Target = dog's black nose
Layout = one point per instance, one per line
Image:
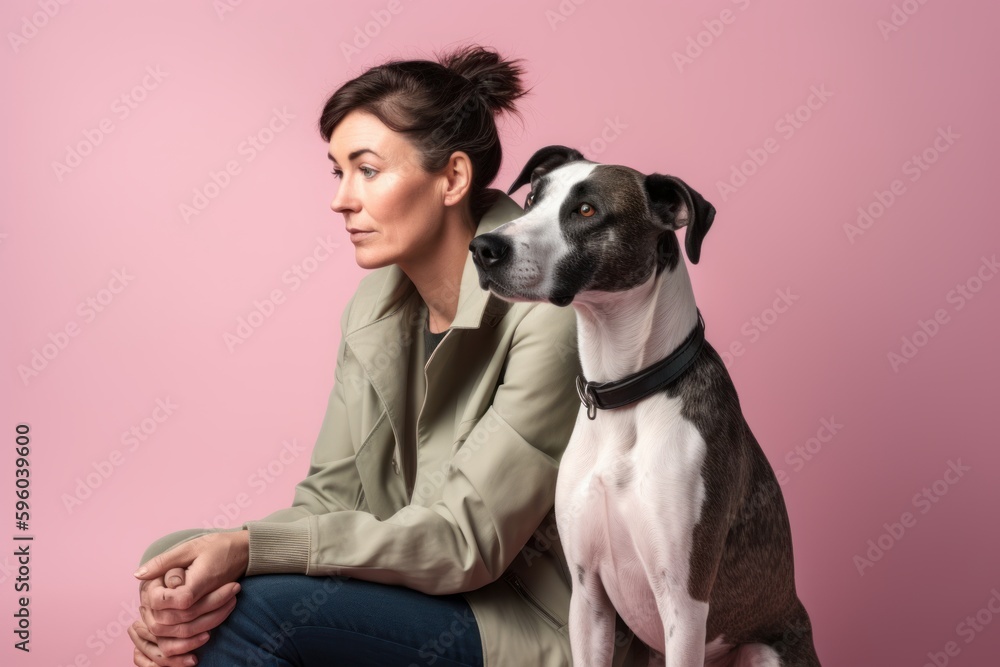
(488, 250)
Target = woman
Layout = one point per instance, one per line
(425, 523)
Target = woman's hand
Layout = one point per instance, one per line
(209, 561)
(169, 652)
(147, 652)
(177, 632)
(199, 596)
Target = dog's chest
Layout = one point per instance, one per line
(628, 495)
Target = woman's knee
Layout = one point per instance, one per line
(270, 610)
(286, 600)
(169, 541)
(281, 617)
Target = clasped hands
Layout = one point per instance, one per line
(185, 592)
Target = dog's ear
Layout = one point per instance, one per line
(676, 205)
(545, 160)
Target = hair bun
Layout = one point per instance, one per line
(496, 80)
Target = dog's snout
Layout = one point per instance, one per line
(488, 250)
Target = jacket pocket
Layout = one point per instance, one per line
(529, 597)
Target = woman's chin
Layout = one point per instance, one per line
(371, 260)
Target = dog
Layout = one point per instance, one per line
(668, 510)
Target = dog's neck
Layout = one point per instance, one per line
(619, 333)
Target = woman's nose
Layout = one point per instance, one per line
(343, 200)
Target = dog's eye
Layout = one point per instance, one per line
(529, 200)
(586, 210)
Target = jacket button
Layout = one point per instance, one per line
(395, 466)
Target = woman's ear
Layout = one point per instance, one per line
(458, 177)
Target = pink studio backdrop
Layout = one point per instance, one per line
(863, 348)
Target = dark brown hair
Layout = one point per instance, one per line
(441, 107)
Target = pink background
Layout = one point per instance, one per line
(63, 236)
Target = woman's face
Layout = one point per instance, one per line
(384, 191)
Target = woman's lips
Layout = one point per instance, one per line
(360, 235)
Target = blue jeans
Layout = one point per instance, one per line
(338, 621)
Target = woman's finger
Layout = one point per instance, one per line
(144, 648)
(180, 650)
(148, 654)
(195, 633)
(139, 659)
(143, 631)
(209, 603)
(174, 577)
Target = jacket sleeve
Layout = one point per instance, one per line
(332, 483)
(498, 486)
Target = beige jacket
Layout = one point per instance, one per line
(448, 490)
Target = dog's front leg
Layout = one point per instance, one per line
(683, 631)
(591, 622)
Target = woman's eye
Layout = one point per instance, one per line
(367, 171)
(586, 210)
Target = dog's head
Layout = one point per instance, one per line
(588, 227)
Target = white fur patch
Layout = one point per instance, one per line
(638, 538)
(536, 237)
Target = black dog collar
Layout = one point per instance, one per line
(640, 384)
